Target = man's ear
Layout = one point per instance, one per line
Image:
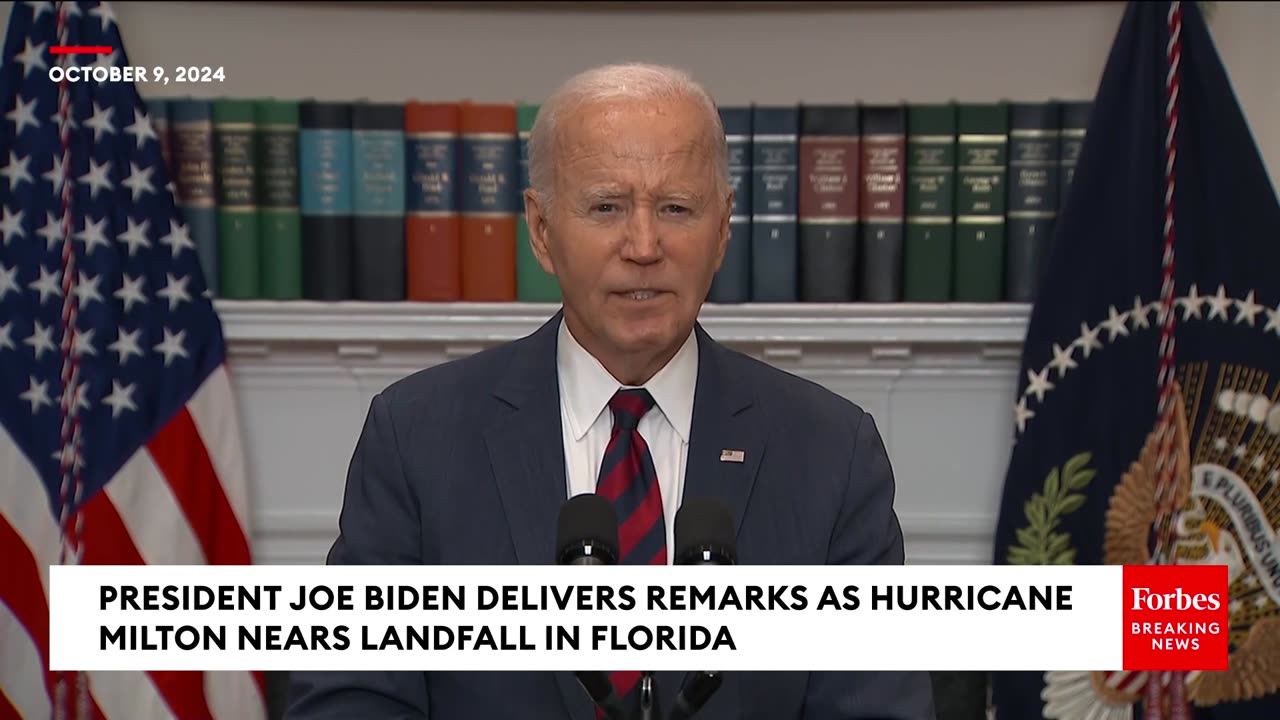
(723, 241)
(535, 215)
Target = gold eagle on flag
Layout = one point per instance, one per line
(1227, 506)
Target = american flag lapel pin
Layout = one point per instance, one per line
(732, 456)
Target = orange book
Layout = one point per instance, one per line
(433, 232)
(489, 166)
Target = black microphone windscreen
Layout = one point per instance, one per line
(587, 520)
(597, 684)
(704, 524)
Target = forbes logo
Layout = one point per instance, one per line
(1145, 599)
(1175, 617)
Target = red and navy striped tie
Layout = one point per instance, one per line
(630, 481)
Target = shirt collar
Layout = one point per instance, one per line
(587, 386)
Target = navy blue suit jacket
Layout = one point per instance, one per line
(463, 463)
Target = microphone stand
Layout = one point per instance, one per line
(650, 709)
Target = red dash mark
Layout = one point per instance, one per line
(80, 49)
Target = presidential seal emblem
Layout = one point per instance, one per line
(1227, 510)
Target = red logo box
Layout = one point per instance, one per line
(1175, 617)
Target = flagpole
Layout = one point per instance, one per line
(71, 524)
(1168, 688)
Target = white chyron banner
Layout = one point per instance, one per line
(567, 618)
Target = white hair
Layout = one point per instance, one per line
(627, 81)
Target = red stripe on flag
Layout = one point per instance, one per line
(106, 541)
(23, 591)
(7, 710)
(184, 460)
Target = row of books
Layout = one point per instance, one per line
(422, 201)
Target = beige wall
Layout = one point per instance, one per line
(880, 51)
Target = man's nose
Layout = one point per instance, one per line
(642, 241)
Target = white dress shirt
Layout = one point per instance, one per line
(585, 390)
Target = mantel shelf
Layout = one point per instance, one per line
(306, 322)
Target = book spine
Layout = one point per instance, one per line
(433, 249)
(980, 202)
(775, 170)
(378, 201)
(928, 259)
(279, 213)
(830, 161)
(732, 282)
(1033, 195)
(489, 168)
(325, 177)
(236, 164)
(1074, 122)
(884, 149)
(191, 128)
(533, 284)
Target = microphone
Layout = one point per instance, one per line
(598, 686)
(695, 693)
(704, 536)
(650, 708)
(587, 534)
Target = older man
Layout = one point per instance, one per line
(469, 462)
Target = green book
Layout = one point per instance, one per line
(533, 284)
(235, 167)
(929, 256)
(980, 201)
(279, 212)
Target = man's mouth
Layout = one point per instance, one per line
(639, 295)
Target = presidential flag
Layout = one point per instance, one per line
(119, 442)
(1147, 421)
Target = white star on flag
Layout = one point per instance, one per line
(92, 235)
(130, 291)
(177, 239)
(22, 115)
(135, 236)
(97, 177)
(52, 230)
(11, 224)
(171, 347)
(8, 281)
(41, 340)
(37, 394)
(101, 122)
(16, 171)
(126, 344)
(141, 128)
(139, 181)
(120, 399)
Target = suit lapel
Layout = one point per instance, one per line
(723, 419)
(526, 450)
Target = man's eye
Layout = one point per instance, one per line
(677, 209)
(604, 207)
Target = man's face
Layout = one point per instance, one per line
(637, 228)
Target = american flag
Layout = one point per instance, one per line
(119, 442)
